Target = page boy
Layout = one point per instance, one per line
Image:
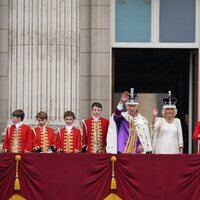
(43, 136)
(69, 138)
(95, 131)
(18, 137)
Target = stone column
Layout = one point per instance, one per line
(44, 58)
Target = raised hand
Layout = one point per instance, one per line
(155, 111)
(124, 97)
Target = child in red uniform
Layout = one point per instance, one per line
(69, 138)
(43, 136)
(18, 137)
(95, 131)
(196, 136)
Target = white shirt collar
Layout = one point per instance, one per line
(42, 126)
(18, 125)
(69, 128)
(95, 118)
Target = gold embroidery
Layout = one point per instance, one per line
(15, 143)
(68, 141)
(17, 197)
(132, 139)
(112, 196)
(44, 139)
(96, 137)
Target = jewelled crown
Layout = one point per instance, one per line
(133, 98)
(169, 102)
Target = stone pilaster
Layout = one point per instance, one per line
(95, 55)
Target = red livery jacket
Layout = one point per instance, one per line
(43, 137)
(69, 142)
(94, 134)
(18, 141)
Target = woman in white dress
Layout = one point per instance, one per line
(167, 137)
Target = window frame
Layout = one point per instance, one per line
(154, 43)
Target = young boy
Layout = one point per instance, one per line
(18, 137)
(43, 136)
(95, 131)
(69, 138)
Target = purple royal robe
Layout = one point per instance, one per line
(122, 132)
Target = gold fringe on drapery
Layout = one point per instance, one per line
(113, 184)
(17, 183)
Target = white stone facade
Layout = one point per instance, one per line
(95, 55)
(54, 56)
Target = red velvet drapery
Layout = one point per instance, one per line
(88, 176)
